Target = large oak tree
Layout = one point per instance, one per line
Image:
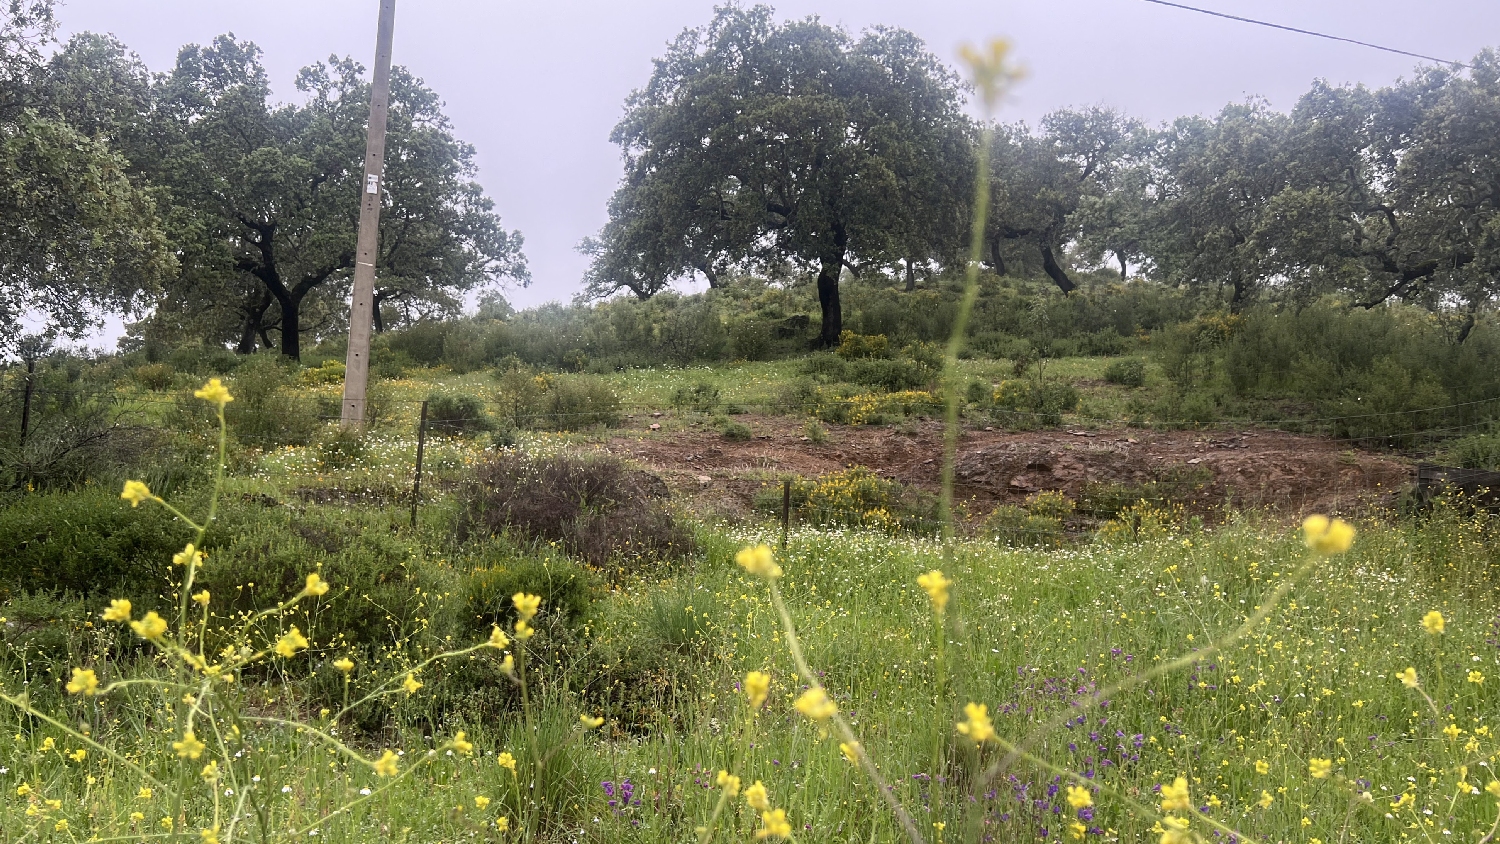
(756, 144)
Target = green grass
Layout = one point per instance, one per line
(1032, 634)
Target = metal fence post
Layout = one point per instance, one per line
(416, 481)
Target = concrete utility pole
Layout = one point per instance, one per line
(361, 308)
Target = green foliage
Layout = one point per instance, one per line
(1128, 372)
(501, 569)
(593, 506)
(555, 402)
(701, 397)
(1477, 451)
(854, 346)
(457, 414)
(87, 542)
(266, 411)
(1036, 402)
(1038, 523)
(734, 431)
(856, 497)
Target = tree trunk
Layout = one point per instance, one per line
(255, 317)
(1238, 297)
(1463, 333)
(1055, 271)
(708, 273)
(997, 262)
(1124, 270)
(911, 276)
(828, 300)
(26, 401)
(291, 327)
(379, 321)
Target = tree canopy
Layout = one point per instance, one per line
(756, 144)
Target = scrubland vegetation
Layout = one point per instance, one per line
(228, 617)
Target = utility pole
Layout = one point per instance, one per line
(362, 304)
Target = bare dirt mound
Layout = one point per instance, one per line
(1290, 472)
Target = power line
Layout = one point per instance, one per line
(1308, 32)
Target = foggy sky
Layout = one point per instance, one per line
(537, 86)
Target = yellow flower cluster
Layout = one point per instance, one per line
(758, 561)
(214, 392)
(1327, 536)
(977, 725)
(293, 641)
(757, 688)
(526, 610)
(936, 586)
(814, 703)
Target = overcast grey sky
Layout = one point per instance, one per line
(537, 86)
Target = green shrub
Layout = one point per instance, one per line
(1479, 451)
(1029, 403)
(457, 414)
(735, 431)
(751, 339)
(501, 570)
(1039, 522)
(330, 371)
(853, 346)
(857, 497)
(87, 542)
(556, 402)
(154, 376)
(701, 397)
(594, 507)
(265, 412)
(1129, 372)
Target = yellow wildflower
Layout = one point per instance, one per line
(1453, 731)
(214, 391)
(774, 825)
(1079, 797)
(1327, 536)
(498, 639)
(189, 554)
(814, 703)
(462, 744)
(61, 825)
(729, 782)
(1319, 768)
(757, 687)
(480, 801)
(1265, 800)
(135, 492)
(137, 817)
(411, 684)
(166, 822)
(84, 682)
(524, 630)
(1476, 677)
(502, 823)
(1433, 623)
(119, 610)
(209, 836)
(757, 798)
(48, 743)
(936, 586)
(23, 789)
(210, 771)
(991, 70)
(850, 751)
(1077, 831)
(315, 585)
(344, 664)
(589, 722)
(758, 561)
(202, 599)
(508, 665)
(151, 626)
(144, 793)
(1175, 831)
(1174, 797)
(386, 765)
(1262, 766)
(507, 761)
(292, 642)
(978, 726)
(79, 755)
(1403, 801)
(190, 747)
(526, 605)
(1493, 788)
(1408, 678)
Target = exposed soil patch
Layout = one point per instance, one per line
(1291, 472)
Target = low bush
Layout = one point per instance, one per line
(855, 346)
(1478, 451)
(265, 413)
(1129, 372)
(87, 542)
(1037, 523)
(501, 569)
(856, 497)
(734, 431)
(701, 397)
(594, 507)
(556, 402)
(154, 376)
(1030, 403)
(457, 414)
